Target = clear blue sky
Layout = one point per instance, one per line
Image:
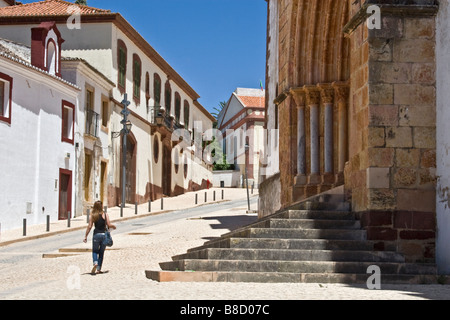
(215, 45)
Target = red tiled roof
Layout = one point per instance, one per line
(256, 102)
(48, 7)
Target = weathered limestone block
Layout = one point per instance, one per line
(378, 178)
(381, 94)
(381, 199)
(416, 200)
(407, 158)
(376, 137)
(405, 178)
(414, 95)
(383, 115)
(425, 137)
(399, 137)
(417, 116)
(395, 72)
(381, 157)
(414, 50)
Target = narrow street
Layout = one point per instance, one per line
(141, 244)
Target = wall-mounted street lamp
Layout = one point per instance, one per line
(158, 115)
(124, 133)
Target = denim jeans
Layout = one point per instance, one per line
(98, 249)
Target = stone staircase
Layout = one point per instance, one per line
(316, 241)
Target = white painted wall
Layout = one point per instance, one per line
(86, 78)
(443, 138)
(32, 150)
(230, 178)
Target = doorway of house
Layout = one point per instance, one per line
(166, 177)
(65, 194)
(130, 170)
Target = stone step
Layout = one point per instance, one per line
(299, 244)
(314, 224)
(292, 255)
(316, 214)
(315, 205)
(331, 234)
(276, 277)
(296, 266)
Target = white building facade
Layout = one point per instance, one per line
(37, 126)
(104, 58)
(241, 123)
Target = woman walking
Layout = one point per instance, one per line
(100, 220)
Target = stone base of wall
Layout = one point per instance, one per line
(410, 233)
(316, 184)
(269, 196)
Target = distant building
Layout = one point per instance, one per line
(241, 122)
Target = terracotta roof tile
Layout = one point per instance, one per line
(48, 7)
(258, 102)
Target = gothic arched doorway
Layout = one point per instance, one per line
(130, 169)
(166, 178)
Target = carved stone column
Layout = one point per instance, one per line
(313, 102)
(341, 92)
(298, 95)
(327, 96)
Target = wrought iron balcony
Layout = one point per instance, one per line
(161, 118)
(92, 119)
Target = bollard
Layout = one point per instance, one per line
(135, 208)
(206, 197)
(68, 219)
(24, 227)
(88, 215)
(196, 198)
(105, 208)
(48, 223)
(150, 205)
(253, 186)
(214, 195)
(162, 203)
(223, 194)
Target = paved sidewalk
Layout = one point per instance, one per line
(169, 204)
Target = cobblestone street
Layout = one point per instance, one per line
(68, 277)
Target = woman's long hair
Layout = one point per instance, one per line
(97, 211)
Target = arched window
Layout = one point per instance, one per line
(121, 65)
(168, 97)
(137, 75)
(177, 107)
(147, 86)
(51, 57)
(186, 114)
(157, 89)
